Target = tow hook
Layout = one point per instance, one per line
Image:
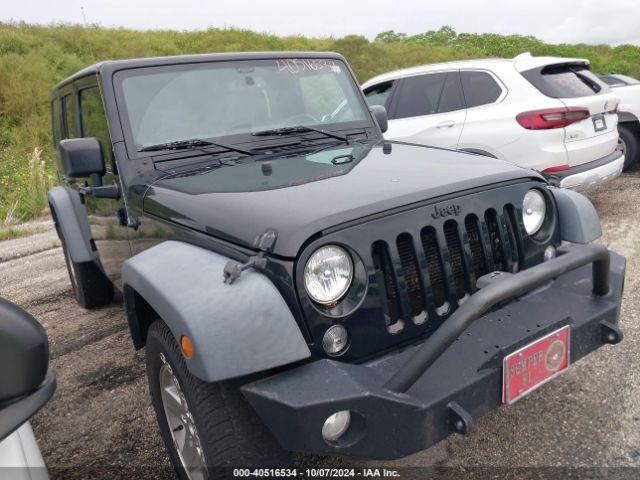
(460, 420)
(610, 333)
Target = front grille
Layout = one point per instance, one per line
(410, 271)
(386, 278)
(452, 257)
(454, 245)
(475, 244)
(434, 265)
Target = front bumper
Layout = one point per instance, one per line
(462, 382)
(590, 174)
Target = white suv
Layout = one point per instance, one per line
(549, 114)
(627, 90)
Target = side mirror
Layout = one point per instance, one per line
(380, 114)
(25, 384)
(82, 157)
(24, 352)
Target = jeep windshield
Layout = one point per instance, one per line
(236, 100)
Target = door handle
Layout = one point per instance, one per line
(446, 124)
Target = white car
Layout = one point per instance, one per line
(20, 457)
(549, 114)
(25, 386)
(627, 89)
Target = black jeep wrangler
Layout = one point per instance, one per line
(301, 284)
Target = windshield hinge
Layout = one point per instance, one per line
(264, 243)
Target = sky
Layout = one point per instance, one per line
(556, 21)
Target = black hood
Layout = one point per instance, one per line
(303, 194)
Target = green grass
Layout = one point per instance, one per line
(34, 58)
(8, 233)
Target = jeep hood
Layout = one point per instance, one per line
(301, 195)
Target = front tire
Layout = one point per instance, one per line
(629, 144)
(204, 426)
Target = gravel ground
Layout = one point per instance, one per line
(100, 423)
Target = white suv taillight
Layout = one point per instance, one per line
(552, 117)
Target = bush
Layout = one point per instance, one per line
(34, 58)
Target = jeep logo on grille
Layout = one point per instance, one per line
(452, 209)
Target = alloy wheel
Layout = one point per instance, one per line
(181, 424)
(622, 146)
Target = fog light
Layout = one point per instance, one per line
(336, 425)
(549, 253)
(335, 340)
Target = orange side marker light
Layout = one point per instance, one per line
(186, 345)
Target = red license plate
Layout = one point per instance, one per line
(526, 369)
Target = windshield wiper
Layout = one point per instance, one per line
(193, 143)
(298, 129)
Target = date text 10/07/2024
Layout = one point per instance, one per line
(316, 473)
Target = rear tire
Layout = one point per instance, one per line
(91, 287)
(227, 430)
(628, 142)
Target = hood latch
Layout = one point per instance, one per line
(264, 243)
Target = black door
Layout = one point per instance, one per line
(84, 116)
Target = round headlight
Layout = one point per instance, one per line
(534, 210)
(328, 274)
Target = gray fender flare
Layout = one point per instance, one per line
(71, 216)
(579, 221)
(237, 329)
